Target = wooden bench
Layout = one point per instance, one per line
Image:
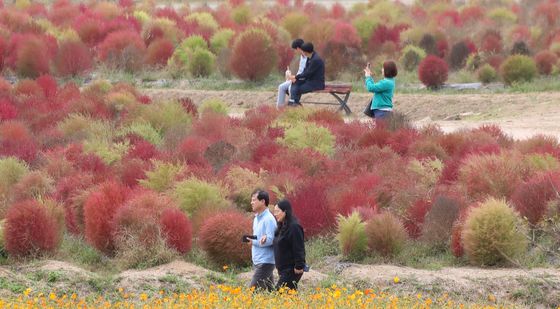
(336, 90)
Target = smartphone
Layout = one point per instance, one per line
(247, 237)
(369, 65)
(306, 268)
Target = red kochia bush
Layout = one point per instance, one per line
(311, 208)
(123, 49)
(90, 29)
(531, 198)
(176, 229)
(30, 230)
(73, 58)
(220, 237)
(7, 110)
(99, 211)
(432, 71)
(159, 52)
(139, 218)
(25, 59)
(253, 56)
(16, 140)
(545, 60)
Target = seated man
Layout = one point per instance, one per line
(312, 78)
(284, 87)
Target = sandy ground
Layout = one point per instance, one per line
(520, 115)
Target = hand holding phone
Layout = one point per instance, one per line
(247, 238)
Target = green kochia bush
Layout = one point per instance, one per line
(221, 40)
(411, 57)
(202, 63)
(351, 236)
(194, 194)
(214, 105)
(161, 177)
(487, 74)
(518, 68)
(307, 135)
(493, 234)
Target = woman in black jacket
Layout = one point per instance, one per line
(289, 248)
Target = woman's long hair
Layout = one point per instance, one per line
(286, 207)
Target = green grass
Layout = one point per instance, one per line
(76, 250)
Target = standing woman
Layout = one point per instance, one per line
(289, 248)
(382, 103)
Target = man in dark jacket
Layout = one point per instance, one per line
(311, 79)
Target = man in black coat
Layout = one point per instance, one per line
(311, 79)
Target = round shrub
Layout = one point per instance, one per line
(73, 58)
(35, 185)
(194, 194)
(428, 43)
(518, 68)
(220, 40)
(27, 62)
(30, 230)
(137, 234)
(493, 234)
(308, 135)
(490, 175)
(7, 110)
(215, 106)
(158, 52)
(545, 61)
(11, 171)
(99, 211)
(520, 48)
(176, 229)
(351, 236)
(17, 140)
(432, 72)
(294, 22)
(487, 74)
(123, 49)
(531, 198)
(220, 237)
(411, 57)
(253, 55)
(201, 63)
(458, 56)
(385, 233)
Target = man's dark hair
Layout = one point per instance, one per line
(261, 195)
(307, 47)
(390, 69)
(297, 43)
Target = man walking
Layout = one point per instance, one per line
(264, 226)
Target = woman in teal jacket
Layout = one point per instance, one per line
(382, 103)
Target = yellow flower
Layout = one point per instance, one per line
(396, 279)
(143, 296)
(491, 298)
(27, 291)
(225, 267)
(52, 296)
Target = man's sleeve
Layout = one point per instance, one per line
(380, 86)
(298, 246)
(270, 228)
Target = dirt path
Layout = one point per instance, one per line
(539, 287)
(520, 115)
